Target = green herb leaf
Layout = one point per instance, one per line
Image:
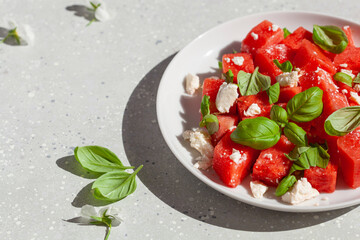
(286, 32)
(344, 78)
(285, 184)
(273, 93)
(234, 51)
(115, 185)
(343, 121)
(295, 134)
(229, 76)
(205, 105)
(279, 115)
(305, 106)
(285, 66)
(259, 133)
(220, 65)
(323, 157)
(251, 84)
(98, 159)
(357, 78)
(211, 123)
(330, 38)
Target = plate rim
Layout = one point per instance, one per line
(198, 174)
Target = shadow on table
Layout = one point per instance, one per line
(166, 177)
(82, 11)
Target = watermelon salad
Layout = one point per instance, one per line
(286, 111)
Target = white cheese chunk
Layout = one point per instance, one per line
(253, 110)
(200, 140)
(344, 65)
(258, 189)
(235, 156)
(355, 97)
(301, 191)
(226, 97)
(288, 79)
(344, 91)
(275, 27)
(357, 87)
(238, 60)
(254, 35)
(192, 83)
(346, 27)
(348, 72)
(227, 60)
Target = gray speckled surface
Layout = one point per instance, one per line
(82, 85)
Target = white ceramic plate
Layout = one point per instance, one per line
(177, 111)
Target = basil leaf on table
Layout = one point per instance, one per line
(357, 78)
(115, 185)
(330, 38)
(286, 32)
(98, 159)
(305, 106)
(205, 105)
(295, 134)
(273, 93)
(343, 121)
(344, 78)
(252, 84)
(286, 183)
(211, 123)
(279, 115)
(285, 66)
(258, 133)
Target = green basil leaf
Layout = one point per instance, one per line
(279, 115)
(285, 184)
(295, 134)
(251, 84)
(285, 66)
(330, 38)
(98, 159)
(357, 78)
(211, 123)
(229, 76)
(259, 133)
(220, 65)
(205, 105)
(115, 185)
(303, 149)
(343, 121)
(305, 106)
(286, 32)
(344, 78)
(274, 93)
(295, 167)
(234, 51)
(323, 157)
(304, 159)
(293, 154)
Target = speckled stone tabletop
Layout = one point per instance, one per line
(79, 85)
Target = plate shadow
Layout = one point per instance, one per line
(166, 177)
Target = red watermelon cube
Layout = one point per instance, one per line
(226, 122)
(349, 150)
(263, 34)
(232, 172)
(348, 33)
(293, 41)
(287, 93)
(261, 99)
(272, 165)
(322, 179)
(350, 57)
(237, 62)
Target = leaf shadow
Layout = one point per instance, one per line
(82, 11)
(172, 183)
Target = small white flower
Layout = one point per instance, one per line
(24, 32)
(88, 211)
(100, 12)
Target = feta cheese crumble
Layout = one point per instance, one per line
(344, 91)
(254, 35)
(235, 156)
(227, 95)
(344, 65)
(346, 27)
(274, 27)
(357, 87)
(348, 72)
(200, 140)
(192, 83)
(288, 79)
(227, 60)
(238, 60)
(355, 97)
(301, 191)
(253, 110)
(258, 189)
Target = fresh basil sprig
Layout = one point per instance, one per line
(98, 159)
(210, 121)
(273, 93)
(305, 106)
(279, 115)
(259, 133)
(285, 66)
(343, 121)
(286, 32)
(252, 84)
(344, 78)
(330, 38)
(115, 185)
(285, 184)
